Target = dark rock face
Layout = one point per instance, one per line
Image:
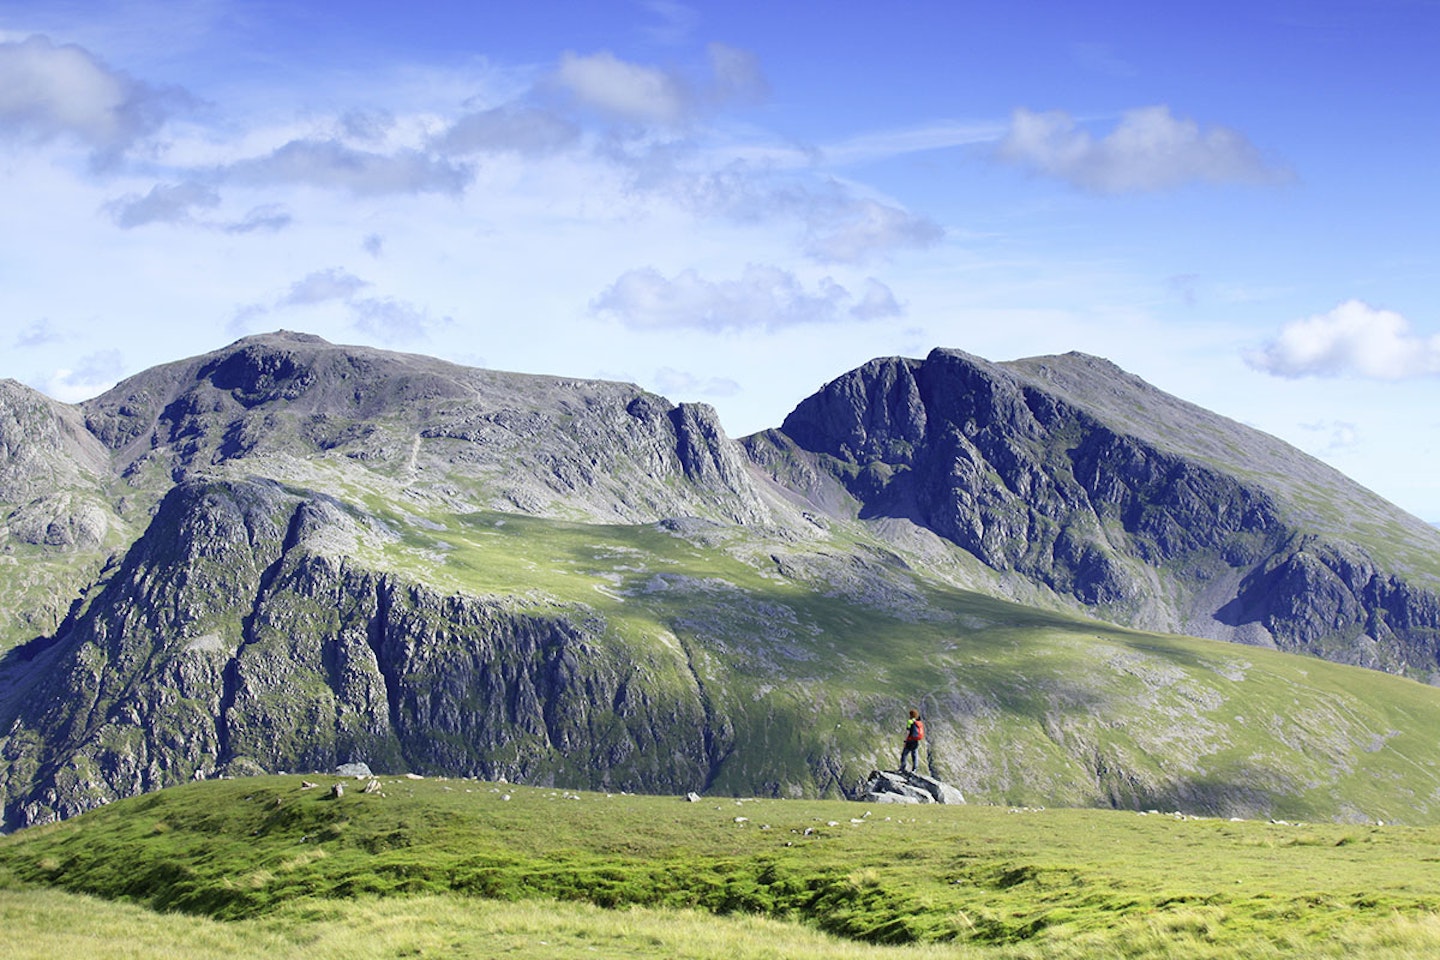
(225, 644)
(1013, 471)
(540, 445)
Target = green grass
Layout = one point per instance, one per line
(452, 868)
(1027, 706)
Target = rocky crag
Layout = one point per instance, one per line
(287, 555)
(1069, 473)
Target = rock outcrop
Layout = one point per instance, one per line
(906, 786)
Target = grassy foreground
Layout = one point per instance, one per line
(432, 868)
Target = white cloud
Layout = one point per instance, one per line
(764, 298)
(1149, 149)
(335, 283)
(672, 383)
(394, 321)
(165, 203)
(636, 93)
(876, 303)
(1354, 339)
(47, 91)
(92, 375)
(853, 229)
(269, 218)
(528, 131)
(330, 163)
(38, 334)
(836, 223)
(1333, 436)
(625, 90)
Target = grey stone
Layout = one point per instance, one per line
(895, 786)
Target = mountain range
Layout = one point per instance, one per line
(288, 554)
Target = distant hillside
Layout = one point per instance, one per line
(288, 554)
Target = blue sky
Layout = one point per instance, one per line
(736, 202)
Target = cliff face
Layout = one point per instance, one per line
(228, 644)
(1051, 469)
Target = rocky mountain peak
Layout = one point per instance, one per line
(1072, 473)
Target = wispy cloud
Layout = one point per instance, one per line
(1101, 58)
(267, 218)
(763, 298)
(676, 22)
(336, 283)
(37, 334)
(884, 144)
(394, 321)
(1354, 339)
(517, 128)
(835, 223)
(165, 203)
(388, 319)
(1332, 436)
(737, 76)
(853, 229)
(1150, 149)
(677, 383)
(332, 163)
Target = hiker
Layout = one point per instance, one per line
(914, 733)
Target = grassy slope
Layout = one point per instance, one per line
(399, 871)
(1025, 706)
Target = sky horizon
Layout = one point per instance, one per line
(735, 203)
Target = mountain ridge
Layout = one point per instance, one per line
(1026, 481)
(313, 554)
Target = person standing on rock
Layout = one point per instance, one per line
(914, 733)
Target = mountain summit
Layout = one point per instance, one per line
(288, 554)
(1071, 474)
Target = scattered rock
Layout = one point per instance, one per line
(374, 787)
(337, 791)
(693, 797)
(357, 770)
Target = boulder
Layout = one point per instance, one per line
(895, 786)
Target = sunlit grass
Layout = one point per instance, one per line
(454, 868)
